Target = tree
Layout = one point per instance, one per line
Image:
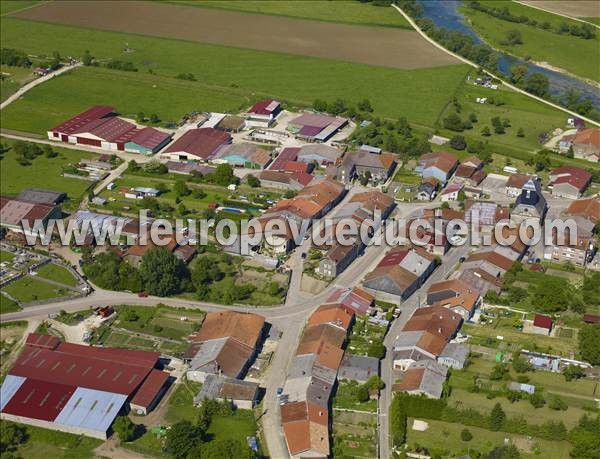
(537, 84)
(161, 272)
(454, 123)
(180, 188)
(521, 365)
(458, 142)
(338, 107)
(362, 393)
(376, 349)
(553, 294)
(466, 435)
(520, 133)
(320, 105)
(497, 418)
(537, 400)
(375, 382)
(253, 181)
(154, 118)
(183, 437)
(365, 106)
(513, 396)
(573, 371)
(223, 175)
(486, 131)
(87, 58)
(11, 436)
(124, 427)
(513, 37)
(558, 404)
(140, 117)
(589, 343)
(518, 74)
(504, 452)
(498, 372)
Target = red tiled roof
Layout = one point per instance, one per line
(287, 154)
(202, 143)
(37, 399)
(591, 318)
(542, 322)
(42, 340)
(264, 107)
(590, 136)
(149, 137)
(150, 388)
(575, 176)
(82, 119)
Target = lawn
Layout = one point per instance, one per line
(236, 427)
(354, 434)
(563, 51)
(345, 398)
(58, 274)
(363, 335)
(6, 256)
(44, 443)
(228, 78)
(346, 11)
(28, 289)
(443, 438)
(13, 79)
(43, 171)
(181, 404)
(8, 6)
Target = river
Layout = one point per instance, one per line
(445, 13)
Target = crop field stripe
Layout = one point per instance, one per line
(389, 47)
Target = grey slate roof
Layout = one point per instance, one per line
(358, 367)
(455, 351)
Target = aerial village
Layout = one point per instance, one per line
(380, 320)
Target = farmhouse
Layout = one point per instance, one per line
(515, 184)
(100, 127)
(585, 144)
(243, 394)
(358, 367)
(376, 165)
(263, 113)
(455, 295)
(470, 171)
(313, 127)
(323, 155)
(439, 165)
(197, 145)
(423, 378)
(588, 208)
(284, 180)
(454, 356)
(427, 189)
(356, 301)
(451, 192)
(400, 273)
(14, 212)
(225, 345)
(569, 182)
(78, 389)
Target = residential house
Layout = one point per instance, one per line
(489, 261)
(542, 325)
(375, 165)
(530, 204)
(358, 367)
(455, 295)
(402, 271)
(424, 378)
(263, 114)
(225, 345)
(427, 188)
(515, 184)
(320, 154)
(454, 356)
(439, 165)
(294, 181)
(588, 208)
(197, 145)
(585, 144)
(569, 181)
(243, 394)
(355, 301)
(470, 171)
(451, 192)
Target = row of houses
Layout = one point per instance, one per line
(585, 144)
(79, 389)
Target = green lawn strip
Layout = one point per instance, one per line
(57, 274)
(44, 443)
(6, 256)
(221, 71)
(14, 178)
(7, 305)
(236, 427)
(181, 404)
(30, 289)
(344, 11)
(562, 51)
(148, 444)
(444, 438)
(346, 398)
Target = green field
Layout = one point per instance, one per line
(43, 171)
(6, 256)
(44, 443)
(9, 6)
(7, 305)
(563, 51)
(593, 20)
(228, 78)
(57, 274)
(13, 79)
(444, 438)
(29, 289)
(348, 11)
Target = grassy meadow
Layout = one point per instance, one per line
(563, 51)
(344, 11)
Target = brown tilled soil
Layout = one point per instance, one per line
(367, 45)
(576, 8)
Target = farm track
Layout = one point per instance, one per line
(380, 46)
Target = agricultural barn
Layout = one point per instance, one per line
(14, 211)
(263, 113)
(243, 154)
(100, 127)
(316, 128)
(197, 145)
(78, 389)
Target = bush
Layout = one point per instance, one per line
(362, 394)
(458, 142)
(537, 400)
(558, 404)
(466, 435)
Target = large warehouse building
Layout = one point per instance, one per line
(100, 127)
(78, 389)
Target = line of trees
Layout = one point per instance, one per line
(14, 57)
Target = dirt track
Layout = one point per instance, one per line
(576, 8)
(368, 45)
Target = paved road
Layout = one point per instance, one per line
(408, 308)
(36, 82)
